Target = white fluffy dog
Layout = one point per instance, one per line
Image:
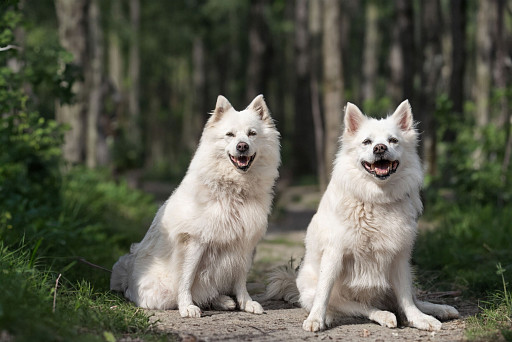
(359, 243)
(200, 246)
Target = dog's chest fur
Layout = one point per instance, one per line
(233, 214)
(374, 235)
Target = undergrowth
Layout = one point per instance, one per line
(35, 307)
(468, 203)
(51, 221)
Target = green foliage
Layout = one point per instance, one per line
(30, 153)
(100, 212)
(50, 221)
(28, 173)
(466, 202)
(49, 69)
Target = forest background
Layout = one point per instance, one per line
(99, 98)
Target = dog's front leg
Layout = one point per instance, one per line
(329, 269)
(193, 252)
(242, 296)
(402, 286)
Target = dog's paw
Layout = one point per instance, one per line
(329, 320)
(223, 302)
(425, 322)
(446, 312)
(253, 307)
(313, 324)
(384, 318)
(190, 311)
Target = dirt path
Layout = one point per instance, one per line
(282, 321)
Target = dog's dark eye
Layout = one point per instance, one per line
(252, 133)
(367, 142)
(393, 140)
(230, 134)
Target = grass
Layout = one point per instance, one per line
(80, 313)
(494, 322)
(33, 308)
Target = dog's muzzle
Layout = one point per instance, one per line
(242, 162)
(382, 168)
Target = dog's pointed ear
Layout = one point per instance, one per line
(221, 107)
(403, 116)
(353, 118)
(260, 107)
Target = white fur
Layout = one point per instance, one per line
(359, 243)
(199, 248)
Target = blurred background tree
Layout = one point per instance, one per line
(148, 74)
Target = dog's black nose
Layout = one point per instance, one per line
(242, 147)
(380, 148)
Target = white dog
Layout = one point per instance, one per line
(200, 245)
(359, 243)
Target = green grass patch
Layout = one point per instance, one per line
(31, 310)
(495, 320)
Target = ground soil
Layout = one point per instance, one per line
(282, 321)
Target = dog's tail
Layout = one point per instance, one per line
(119, 277)
(282, 285)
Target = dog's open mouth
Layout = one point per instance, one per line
(242, 162)
(381, 169)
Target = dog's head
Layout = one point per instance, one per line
(380, 148)
(241, 138)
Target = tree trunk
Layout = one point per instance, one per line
(303, 140)
(432, 62)
(502, 77)
(315, 30)
(193, 122)
(501, 72)
(332, 78)
(458, 39)
(115, 58)
(258, 51)
(482, 89)
(94, 84)
(396, 67)
(72, 15)
(483, 62)
(370, 52)
(402, 54)
(133, 125)
(406, 25)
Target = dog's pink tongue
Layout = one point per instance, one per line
(381, 170)
(242, 161)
